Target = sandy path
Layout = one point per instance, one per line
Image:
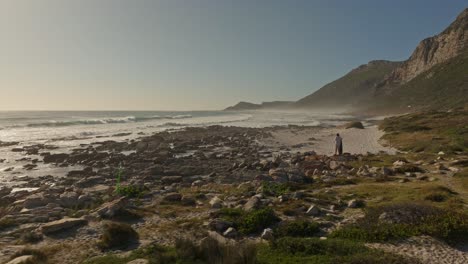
(321, 140)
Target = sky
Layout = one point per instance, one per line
(197, 54)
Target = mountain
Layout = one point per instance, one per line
(434, 76)
(431, 51)
(350, 89)
(243, 106)
(443, 86)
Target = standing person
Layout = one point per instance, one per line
(338, 145)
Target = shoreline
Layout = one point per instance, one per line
(26, 161)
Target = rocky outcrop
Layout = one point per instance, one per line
(431, 51)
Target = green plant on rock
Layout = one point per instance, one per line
(119, 174)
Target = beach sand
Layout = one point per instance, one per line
(321, 140)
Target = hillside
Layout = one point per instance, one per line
(444, 86)
(434, 77)
(350, 89)
(245, 106)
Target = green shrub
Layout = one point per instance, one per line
(297, 228)
(408, 168)
(329, 251)
(257, 220)
(249, 222)
(436, 197)
(131, 191)
(117, 235)
(275, 189)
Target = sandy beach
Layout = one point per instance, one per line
(321, 140)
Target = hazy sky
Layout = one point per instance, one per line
(196, 54)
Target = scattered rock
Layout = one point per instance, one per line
(61, 225)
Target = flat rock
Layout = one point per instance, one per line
(172, 197)
(62, 224)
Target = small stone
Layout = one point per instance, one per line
(353, 203)
(313, 211)
(267, 234)
(231, 232)
(216, 203)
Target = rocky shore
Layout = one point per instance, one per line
(180, 184)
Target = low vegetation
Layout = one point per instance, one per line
(404, 220)
(275, 189)
(429, 131)
(249, 222)
(314, 250)
(297, 228)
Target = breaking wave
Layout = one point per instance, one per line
(99, 121)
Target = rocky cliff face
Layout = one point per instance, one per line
(431, 51)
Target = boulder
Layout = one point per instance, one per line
(110, 209)
(61, 225)
(68, 199)
(171, 179)
(35, 200)
(253, 203)
(354, 203)
(220, 225)
(55, 158)
(172, 197)
(216, 203)
(387, 171)
(5, 191)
